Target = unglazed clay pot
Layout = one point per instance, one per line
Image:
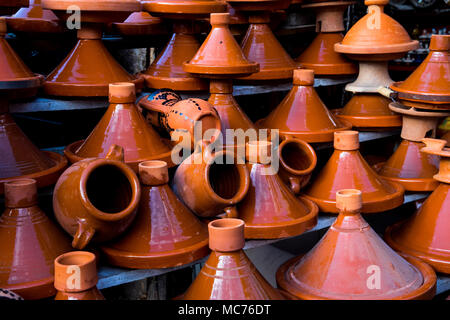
(302, 114)
(270, 210)
(29, 242)
(89, 68)
(165, 233)
(34, 19)
(76, 277)
(210, 181)
(429, 84)
(320, 55)
(425, 235)
(346, 168)
(96, 199)
(140, 24)
(351, 262)
(228, 274)
(124, 125)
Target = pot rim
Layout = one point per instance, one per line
(304, 146)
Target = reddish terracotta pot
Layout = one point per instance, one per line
(425, 235)
(207, 184)
(140, 24)
(76, 277)
(165, 233)
(122, 124)
(270, 210)
(96, 199)
(228, 274)
(192, 8)
(346, 168)
(352, 247)
(29, 242)
(302, 114)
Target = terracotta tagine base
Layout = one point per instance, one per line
(369, 111)
(123, 125)
(351, 246)
(165, 233)
(29, 242)
(228, 274)
(317, 123)
(346, 168)
(34, 19)
(425, 235)
(140, 24)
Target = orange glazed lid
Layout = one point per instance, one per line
(186, 7)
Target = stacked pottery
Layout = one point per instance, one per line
(140, 23)
(347, 169)
(167, 69)
(20, 158)
(425, 235)
(122, 124)
(260, 44)
(76, 276)
(34, 19)
(424, 99)
(165, 233)
(29, 242)
(374, 40)
(220, 58)
(351, 248)
(96, 199)
(320, 55)
(228, 274)
(89, 68)
(302, 114)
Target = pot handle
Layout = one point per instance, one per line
(294, 183)
(115, 152)
(83, 236)
(231, 212)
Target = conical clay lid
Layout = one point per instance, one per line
(165, 233)
(345, 169)
(302, 114)
(228, 274)
(220, 54)
(34, 19)
(352, 247)
(425, 235)
(29, 242)
(122, 125)
(139, 24)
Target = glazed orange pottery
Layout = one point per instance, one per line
(29, 242)
(124, 125)
(369, 111)
(260, 44)
(140, 24)
(302, 114)
(96, 199)
(76, 276)
(430, 82)
(211, 181)
(89, 68)
(320, 55)
(34, 19)
(165, 233)
(425, 235)
(351, 262)
(346, 168)
(270, 210)
(228, 274)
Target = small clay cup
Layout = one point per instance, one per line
(226, 235)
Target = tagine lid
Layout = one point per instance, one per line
(184, 7)
(431, 80)
(351, 246)
(139, 24)
(376, 33)
(259, 5)
(220, 55)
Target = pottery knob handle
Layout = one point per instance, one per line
(433, 145)
(20, 193)
(226, 235)
(75, 271)
(123, 92)
(115, 152)
(347, 140)
(83, 235)
(376, 2)
(153, 173)
(440, 42)
(303, 77)
(220, 18)
(349, 200)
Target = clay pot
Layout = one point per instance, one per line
(302, 114)
(29, 242)
(160, 96)
(429, 83)
(425, 235)
(140, 24)
(122, 124)
(210, 182)
(270, 210)
(228, 274)
(76, 277)
(346, 168)
(352, 247)
(189, 8)
(165, 233)
(96, 199)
